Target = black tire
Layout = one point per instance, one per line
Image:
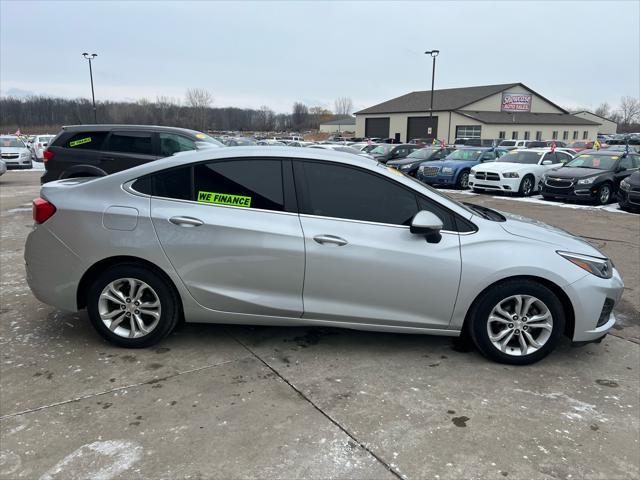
(463, 180)
(479, 319)
(605, 193)
(548, 198)
(170, 307)
(527, 186)
(477, 190)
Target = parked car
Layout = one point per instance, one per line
(519, 171)
(591, 176)
(271, 143)
(98, 150)
(412, 162)
(476, 142)
(453, 170)
(303, 237)
(3, 167)
(239, 142)
(39, 145)
(385, 152)
(421, 142)
(580, 146)
(14, 152)
(342, 148)
(629, 193)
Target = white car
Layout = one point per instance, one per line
(14, 153)
(519, 171)
(39, 145)
(342, 148)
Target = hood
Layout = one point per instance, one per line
(405, 161)
(502, 167)
(455, 164)
(574, 172)
(542, 232)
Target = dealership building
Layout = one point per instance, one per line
(507, 111)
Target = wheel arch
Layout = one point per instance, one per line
(102, 265)
(83, 171)
(567, 306)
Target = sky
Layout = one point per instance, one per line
(248, 54)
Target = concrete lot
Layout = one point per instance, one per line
(241, 402)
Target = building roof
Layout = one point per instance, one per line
(341, 121)
(594, 114)
(444, 99)
(528, 118)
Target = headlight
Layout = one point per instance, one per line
(600, 267)
(624, 185)
(421, 168)
(511, 175)
(586, 181)
(447, 170)
(408, 166)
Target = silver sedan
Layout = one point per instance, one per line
(291, 236)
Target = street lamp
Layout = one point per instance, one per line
(93, 96)
(434, 54)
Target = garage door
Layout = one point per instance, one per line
(376, 127)
(418, 127)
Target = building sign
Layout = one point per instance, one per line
(516, 102)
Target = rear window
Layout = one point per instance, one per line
(130, 142)
(86, 141)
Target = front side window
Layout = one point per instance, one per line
(130, 142)
(563, 157)
(338, 191)
(171, 144)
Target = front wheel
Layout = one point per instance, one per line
(603, 196)
(517, 322)
(132, 306)
(526, 186)
(463, 180)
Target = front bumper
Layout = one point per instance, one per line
(438, 179)
(502, 185)
(17, 163)
(629, 199)
(585, 193)
(588, 296)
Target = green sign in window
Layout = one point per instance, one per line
(81, 141)
(224, 199)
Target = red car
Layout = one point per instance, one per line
(580, 146)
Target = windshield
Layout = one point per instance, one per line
(11, 142)
(468, 155)
(518, 156)
(381, 149)
(204, 138)
(423, 153)
(600, 162)
(507, 143)
(578, 145)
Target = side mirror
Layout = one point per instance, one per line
(620, 169)
(428, 224)
(547, 162)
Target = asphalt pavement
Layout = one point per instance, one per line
(216, 401)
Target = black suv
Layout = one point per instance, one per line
(98, 150)
(594, 175)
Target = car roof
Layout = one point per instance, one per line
(109, 127)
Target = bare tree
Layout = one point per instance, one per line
(603, 110)
(300, 116)
(629, 110)
(342, 106)
(199, 100)
(265, 119)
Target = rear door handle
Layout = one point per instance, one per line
(186, 221)
(330, 240)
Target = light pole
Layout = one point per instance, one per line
(434, 54)
(93, 95)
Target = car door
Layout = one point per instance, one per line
(363, 265)
(232, 234)
(128, 148)
(626, 166)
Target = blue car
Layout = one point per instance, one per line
(453, 170)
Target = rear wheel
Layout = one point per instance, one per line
(463, 180)
(132, 306)
(526, 186)
(517, 322)
(603, 197)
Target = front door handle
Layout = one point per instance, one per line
(186, 221)
(330, 240)
(105, 158)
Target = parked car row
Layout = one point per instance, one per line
(14, 152)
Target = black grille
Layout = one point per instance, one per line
(10, 155)
(481, 175)
(558, 182)
(606, 311)
(493, 176)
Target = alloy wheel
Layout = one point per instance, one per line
(526, 186)
(464, 180)
(519, 325)
(129, 307)
(605, 193)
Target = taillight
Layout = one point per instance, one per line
(48, 155)
(42, 210)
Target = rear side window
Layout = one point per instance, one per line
(130, 142)
(342, 192)
(241, 183)
(171, 143)
(175, 183)
(86, 141)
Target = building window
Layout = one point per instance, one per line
(565, 135)
(514, 135)
(468, 131)
(585, 135)
(554, 135)
(502, 135)
(575, 134)
(538, 135)
(527, 134)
